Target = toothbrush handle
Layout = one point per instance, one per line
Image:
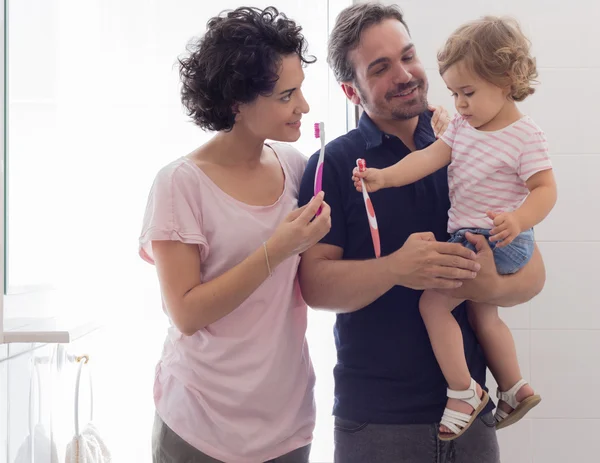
(372, 221)
(319, 178)
(376, 242)
(319, 173)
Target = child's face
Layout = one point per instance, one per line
(477, 100)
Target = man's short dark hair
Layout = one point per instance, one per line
(236, 60)
(346, 34)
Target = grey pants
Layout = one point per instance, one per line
(168, 447)
(383, 443)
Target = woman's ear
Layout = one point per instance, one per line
(236, 111)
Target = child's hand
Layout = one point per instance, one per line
(506, 228)
(373, 179)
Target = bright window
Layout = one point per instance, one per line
(93, 112)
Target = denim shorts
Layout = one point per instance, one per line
(509, 259)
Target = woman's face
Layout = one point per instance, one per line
(277, 117)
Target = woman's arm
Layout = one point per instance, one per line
(192, 305)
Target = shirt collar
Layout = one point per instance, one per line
(373, 136)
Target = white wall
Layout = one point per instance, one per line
(558, 333)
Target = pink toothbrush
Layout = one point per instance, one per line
(320, 133)
(362, 166)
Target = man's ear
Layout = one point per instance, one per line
(351, 92)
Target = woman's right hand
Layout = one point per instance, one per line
(299, 231)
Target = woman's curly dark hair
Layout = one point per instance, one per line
(236, 60)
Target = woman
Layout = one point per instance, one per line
(235, 381)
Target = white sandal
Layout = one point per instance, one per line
(520, 409)
(458, 422)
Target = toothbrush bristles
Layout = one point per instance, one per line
(361, 164)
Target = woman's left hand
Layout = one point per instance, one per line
(439, 120)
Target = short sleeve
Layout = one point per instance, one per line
(534, 157)
(449, 135)
(333, 197)
(173, 211)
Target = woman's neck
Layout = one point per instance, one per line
(234, 148)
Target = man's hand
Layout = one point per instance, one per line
(502, 290)
(439, 120)
(506, 228)
(424, 263)
(485, 286)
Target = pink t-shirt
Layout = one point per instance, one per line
(241, 389)
(488, 170)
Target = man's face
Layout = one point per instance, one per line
(390, 80)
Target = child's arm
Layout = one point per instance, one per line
(413, 167)
(541, 199)
(539, 203)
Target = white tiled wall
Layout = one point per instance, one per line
(558, 333)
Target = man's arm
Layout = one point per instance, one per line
(502, 290)
(328, 282)
(356, 283)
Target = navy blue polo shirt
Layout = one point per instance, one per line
(386, 371)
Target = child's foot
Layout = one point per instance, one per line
(515, 403)
(459, 406)
(522, 394)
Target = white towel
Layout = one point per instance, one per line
(88, 447)
(43, 449)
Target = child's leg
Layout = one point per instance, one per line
(447, 343)
(498, 346)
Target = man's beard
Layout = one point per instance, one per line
(411, 108)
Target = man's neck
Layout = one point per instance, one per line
(403, 129)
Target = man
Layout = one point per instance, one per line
(389, 390)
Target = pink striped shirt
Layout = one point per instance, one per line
(488, 170)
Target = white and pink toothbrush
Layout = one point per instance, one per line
(362, 166)
(320, 133)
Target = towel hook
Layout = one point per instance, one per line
(82, 360)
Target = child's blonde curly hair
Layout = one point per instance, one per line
(496, 50)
